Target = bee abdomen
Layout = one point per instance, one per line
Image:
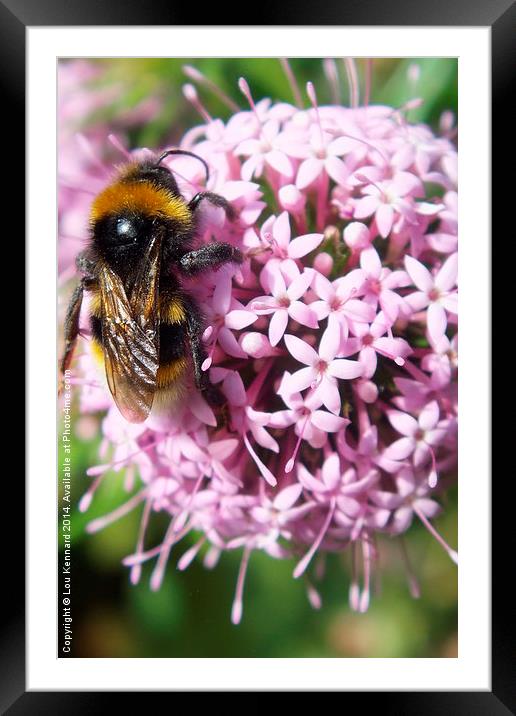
(171, 342)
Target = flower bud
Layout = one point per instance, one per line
(291, 199)
(356, 235)
(323, 263)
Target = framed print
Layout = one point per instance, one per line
(257, 450)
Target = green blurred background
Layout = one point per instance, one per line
(190, 615)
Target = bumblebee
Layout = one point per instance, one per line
(144, 325)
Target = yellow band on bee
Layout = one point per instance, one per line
(167, 374)
(142, 196)
(96, 303)
(174, 312)
(97, 351)
(170, 372)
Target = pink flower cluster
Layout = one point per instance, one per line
(335, 345)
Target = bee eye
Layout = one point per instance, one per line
(126, 230)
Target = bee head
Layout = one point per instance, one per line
(121, 238)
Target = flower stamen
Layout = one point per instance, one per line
(236, 611)
(292, 81)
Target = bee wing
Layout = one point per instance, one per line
(130, 335)
(144, 293)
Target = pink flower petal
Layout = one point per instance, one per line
(447, 276)
(380, 517)
(368, 441)
(395, 348)
(368, 361)
(419, 274)
(264, 470)
(342, 145)
(370, 262)
(302, 379)
(249, 214)
(201, 409)
(287, 497)
(263, 305)
(300, 350)
(442, 242)
(421, 454)
(328, 392)
(263, 438)
(359, 311)
(330, 343)
(417, 301)
(403, 158)
(330, 472)
(345, 369)
(390, 303)
(308, 172)
(303, 314)
(406, 183)
(252, 166)
(271, 129)
(365, 207)
(282, 419)
(258, 417)
(234, 389)
(451, 303)
(402, 519)
(307, 480)
(278, 285)
(400, 449)
(350, 284)
(300, 285)
(389, 500)
(403, 422)
(429, 416)
(303, 245)
(277, 326)
(222, 449)
(229, 343)
(367, 390)
(248, 147)
(426, 208)
(428, 507)
(322, 287)
(234, 190)
(435, 437)
(281, 229)
(337, 170)
(349, 506)
(222, 294)
(239, 319)
(280, 162)
(327, 421)
(320, 308)
(436, 322)
(384, 219)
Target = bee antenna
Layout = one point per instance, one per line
(168, 152)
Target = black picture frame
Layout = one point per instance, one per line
(15, 17)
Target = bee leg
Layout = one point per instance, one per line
(194, 329)
(85, 265)
(214, 199)
(210, 256)
(71, 326)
